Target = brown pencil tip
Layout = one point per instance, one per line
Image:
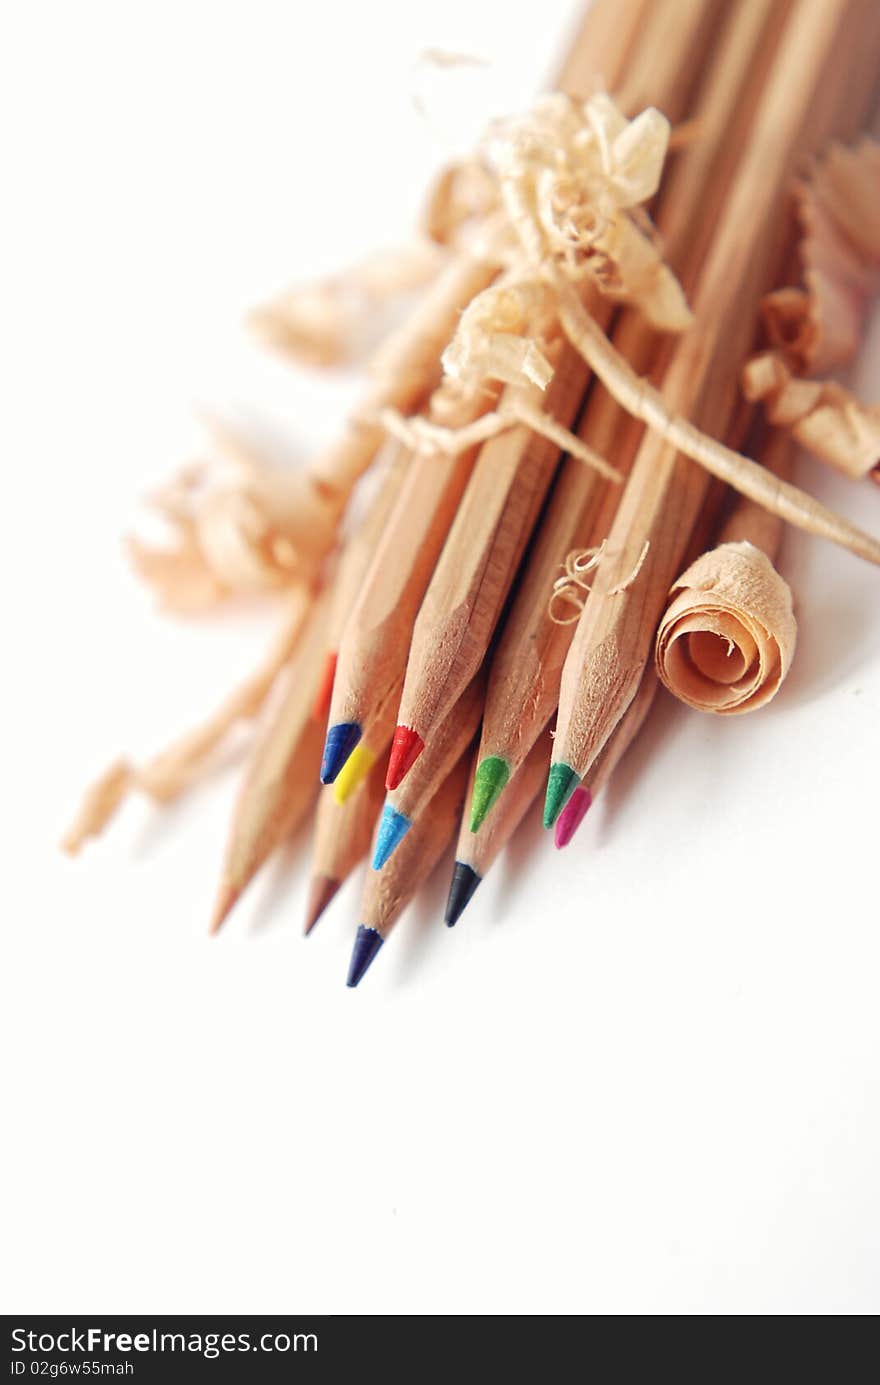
(226, 900)
(321, 891)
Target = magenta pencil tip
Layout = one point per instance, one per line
(572, 816)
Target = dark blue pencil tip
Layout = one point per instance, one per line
(366, 944)
(341, 740)
(464, 881)
(393, 827)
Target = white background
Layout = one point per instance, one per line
(641, 1075)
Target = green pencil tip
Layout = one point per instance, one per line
(561, 784)
(489, 781)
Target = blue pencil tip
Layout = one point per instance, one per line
(341, 740)
(393, 827)
(366, 944)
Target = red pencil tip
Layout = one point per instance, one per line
(321, 704)
(406, 748)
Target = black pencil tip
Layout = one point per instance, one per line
(366, 944)
(464, 881)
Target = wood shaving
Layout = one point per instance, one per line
(336, 320)
(238, 525)
(728, 636)
(170, 773)
(426, 437)
(573, 590)
(822, 415)
(819, 327)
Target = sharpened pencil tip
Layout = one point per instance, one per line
(366, 944)
(461, 891)
(353, 773)
(572, 816)
(393, 827)
(226, 900)
(321, 891)
(489, 782)
(561, 784)
(406, 748)
(342, 737)
(321, 704)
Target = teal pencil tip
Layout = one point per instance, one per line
(489, 782)
(561, 784)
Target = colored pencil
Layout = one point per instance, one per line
(343, 833)
(820, 85)
(524, 681)
(454, 735)
(476, 852)
(279, 785)
(372, 653)
(606, 763)
(387, 892)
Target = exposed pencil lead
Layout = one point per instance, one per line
(406, 748)
(489, 782)
(342, 737)
(393, 827)
(226, 899)
(561, 784)
(366, 944)
(353, 773)
(321, 891)
(461, 889)
(572, 816)
(321, 704)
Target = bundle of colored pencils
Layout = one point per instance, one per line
(550, 441)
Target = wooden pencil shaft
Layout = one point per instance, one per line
(803, 104)
(751, 523)
(524, 681)
(624, 734)
(479, 560)
(372, 651)
(358, 552)
(387, 892)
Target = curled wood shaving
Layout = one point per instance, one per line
(573, 590)
(819, 326)
(728, 636)
(822, 415)
(334, 321)
(175, 769)
(238, 525)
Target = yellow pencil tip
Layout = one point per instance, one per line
(353, 773)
